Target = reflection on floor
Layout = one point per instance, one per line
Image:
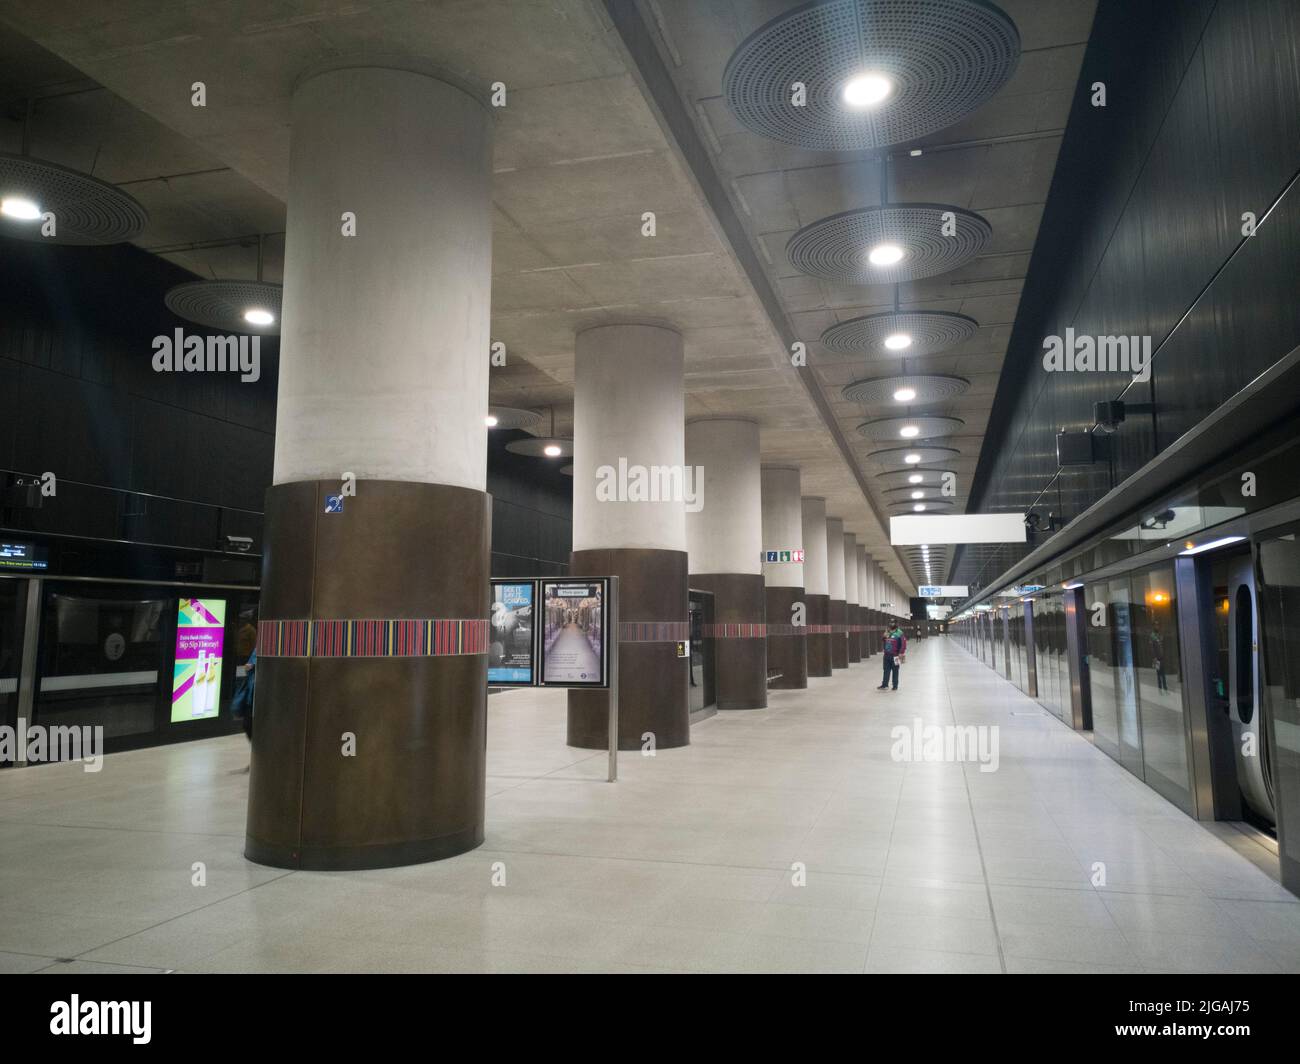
(685, 864)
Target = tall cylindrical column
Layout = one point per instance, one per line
(724, 538)
(835, 581)
(787, 641)
(851, 607)
(816, 586)
(865, 646)
(372, 668)
(630, 521)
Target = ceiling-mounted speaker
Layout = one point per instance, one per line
(873, 73)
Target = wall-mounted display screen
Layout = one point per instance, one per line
(511, 655)
(22, 556)
(200, 645)
(574, 637)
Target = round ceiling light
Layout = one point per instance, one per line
(875, 72)
(902, 456)
(513, 417)
(916, 478)
(867, 90)
(918, 495)
(898, 341)
(883, 391)
(85, 209)
(893, 428)
(228, 306)
(490, 421)
(928, 331)
(885, 245)
(542, 447)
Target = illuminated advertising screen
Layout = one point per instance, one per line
(510, 656)
(200, 644)
(573, 640)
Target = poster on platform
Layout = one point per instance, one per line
(574, 637)
(510, 657)
(200, 646)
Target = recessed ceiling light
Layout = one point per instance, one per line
(490, 421)
(551, 451)
(257, 316)
(885, 255)
(919, 507)
(867, 90)
(905, 395)
(918, 495)
(911, 459)
(898, 341)
(915, 478)
(20, 207)
(908, 431)
(914, 152)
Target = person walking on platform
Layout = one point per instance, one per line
(895, 647)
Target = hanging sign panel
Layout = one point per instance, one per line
(917, 529)
(574, 638)
(943, 591)
(200, 645)
(512, 654)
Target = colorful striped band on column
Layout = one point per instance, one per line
(817, 629)
(653, 631)
(371, 639)
(788, 629)
(735, 631)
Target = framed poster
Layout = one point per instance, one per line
(573, 634)
(512, 653)
(200, 647)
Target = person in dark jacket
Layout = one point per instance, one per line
(895, 646)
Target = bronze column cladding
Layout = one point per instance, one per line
(839, 635)
(865, 647)
(413, 790)
(652, 694)
(787, 644)
(819, 635)
(853, 618)
(740, 659)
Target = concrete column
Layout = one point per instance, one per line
(865, 646)
(629, 419)
(852, 608)
(724, 538)
(835, 580)
(816, 579)
(380, 452)
(787, 642)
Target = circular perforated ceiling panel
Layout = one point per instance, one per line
(223, 304)
(513, 417)
(897, 456)
(904, 391)
(928, 330)
(909, 507)
(536, 446)
(941, 59)
(929, 477)
(837, 248)
(893, 428)
(86, 210)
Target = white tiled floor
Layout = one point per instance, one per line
(685, 864)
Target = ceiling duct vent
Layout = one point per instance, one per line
(909, 332)
(86, 210)
(839, 248)
(911, 390)
(926, 64)
(222, 305)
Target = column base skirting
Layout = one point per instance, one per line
(787, 646)
(839, 634)
(819, 635)
(370, 723)
(740, 663)
(652, 692)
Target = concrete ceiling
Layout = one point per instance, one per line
(580, 154)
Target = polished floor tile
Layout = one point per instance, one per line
(799, 838)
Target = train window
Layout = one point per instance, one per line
(1245, 618)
